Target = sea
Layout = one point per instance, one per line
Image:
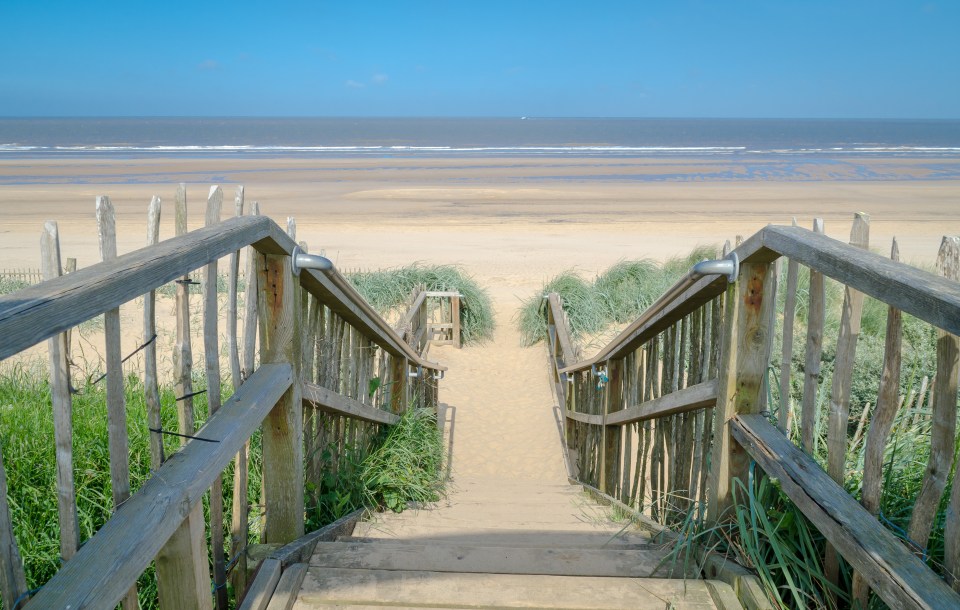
(472, 137)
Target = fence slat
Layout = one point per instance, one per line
(62, 408)
(816, 315)
(13, 583)
(785, 418)
(116, 401)
(880, 425)
(232, 312)
(151, 386)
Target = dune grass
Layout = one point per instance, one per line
(616, 296)
(388, 291)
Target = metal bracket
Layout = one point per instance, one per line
(729, 266)
(301, 260)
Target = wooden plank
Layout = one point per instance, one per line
(62, 404)
(586, 418)
(743, 364)
(563, 330)
(785, 417)
(329, 401)
(42, 311)
(116, 400)
(301, 549)
(13, 583)
(442, 293)
(843, 365)
(881, 425)
(264, 584)
(929, 297)
(691, 398)
(610, 449)
(891, 569)
(816, 315)
(413, 311)
(285, 593)
(943, 402)
(108, 563)
(283, 492)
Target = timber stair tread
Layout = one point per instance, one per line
(523, 544)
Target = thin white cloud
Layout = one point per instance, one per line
(352, 84)
(209, 64)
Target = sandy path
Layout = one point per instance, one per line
(501, 406)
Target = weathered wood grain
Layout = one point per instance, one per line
(925, 295)
(250, 306)
(151, 386)
(283, 491)
(744, 362)
(610, 449)
(263, 586)
(62, 404)
(899, 578)
(109, 562)
(691, 398)
(785, 417)
(943, 433)
(816, 315)
(232, 312)
(592, 419)
(329, 401)
(285, 593)
(39, 312)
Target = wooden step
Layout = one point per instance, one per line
(555, 511)
(495, 560)
(440, 519)
(502, 536)
(326, 587)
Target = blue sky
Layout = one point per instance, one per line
(722, 58)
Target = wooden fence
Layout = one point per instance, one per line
(27, 276)
(675, 409)
(330, 373)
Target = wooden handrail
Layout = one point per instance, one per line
(101, 572)
(39, 312)
(329, 401)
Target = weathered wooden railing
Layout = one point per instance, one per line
(432, 319)
(687, 380)
(330, 372)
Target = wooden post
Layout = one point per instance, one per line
(610, 448)
(211, 357)
(843, 366)
(455, 314)
(183, 576)
(70, 267)
(232, 301)
(880, 425)
(816, 314)
(744, 358)
(250, 299)
(62, 407)
(116, 401)
(943, 403)
(785, 417)
(13, 583)
(283, 428)
(151, 387)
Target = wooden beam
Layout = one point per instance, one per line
(263, 586)
(107, 564)
(45, 310)
(899, 577)
(283, 492)
(610, 447)
(330, 402)
(691, 398)
(929, 297)
(586, 418)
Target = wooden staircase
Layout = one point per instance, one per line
(497, 544)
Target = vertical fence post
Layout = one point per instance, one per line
(13, 583)
(610, 449)
(816, 314)
(62, 407)
(743, 362)
(183, 576)
(455, 315)
(283, 428)
(151, 387)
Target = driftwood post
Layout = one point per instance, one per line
(62, 407)
(785, 418)
(283, 428)
(743, 361)
(116, 401)
(151, 387)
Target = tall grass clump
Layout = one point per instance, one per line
(9, 284)
(388, 291)
(616, 296)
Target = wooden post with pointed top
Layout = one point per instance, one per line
(816, 315)
(151, 387)
(785, 417)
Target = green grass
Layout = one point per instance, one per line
(617, 296)
(387, 291)
(402, 464)
(9, 284)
